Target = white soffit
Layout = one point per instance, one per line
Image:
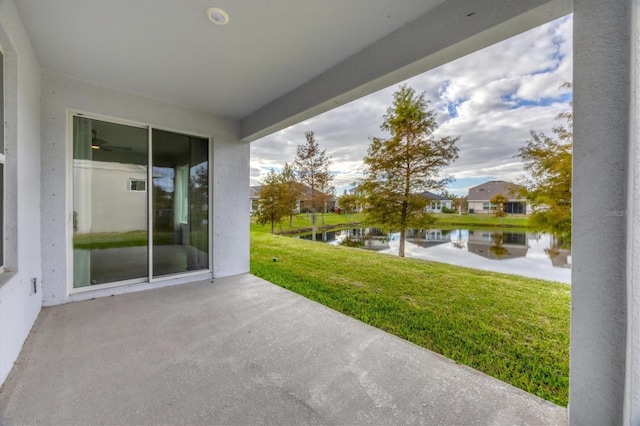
(449, 31)
(170, 50)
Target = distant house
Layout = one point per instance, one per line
(479, 198)
(303, 204)
(327, 202)
(437, 202)
(254, 198)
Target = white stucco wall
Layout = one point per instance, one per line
(477, 207)
(632, 388)
(604, 386)
(19, 304)
(230, 175)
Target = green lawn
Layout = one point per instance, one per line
(302, 222)
(102, 240)
(513, 328)
(105, 240)
(487, 220)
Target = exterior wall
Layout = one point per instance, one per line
(436, 206)
(477, 207)
(605, 376)
(109, 185)
(19, 303)
(528, 208)
(230, 180)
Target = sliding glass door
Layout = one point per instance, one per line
(180, 203)
(119, 228)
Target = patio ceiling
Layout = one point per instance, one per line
(276, 62)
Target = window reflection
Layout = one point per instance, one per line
(181, 199)
(110, 203)
(110, 232)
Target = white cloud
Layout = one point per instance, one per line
(496, 97)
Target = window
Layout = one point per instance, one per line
(137, 185)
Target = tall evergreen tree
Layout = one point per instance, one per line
(312, 170)
(399, 169)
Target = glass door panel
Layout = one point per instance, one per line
(110, 216)
(180, 201)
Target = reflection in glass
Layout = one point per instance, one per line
(180, 203)
(110, 232)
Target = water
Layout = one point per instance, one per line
(527, 254)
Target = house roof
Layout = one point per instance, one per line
(488, 190)
(432, 196)
(254, 191)
(276, 62)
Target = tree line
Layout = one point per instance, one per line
(307, 179)
(400, 168)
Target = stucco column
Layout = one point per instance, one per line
(632, 388)
(602, 316)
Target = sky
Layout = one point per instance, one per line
(491, 99)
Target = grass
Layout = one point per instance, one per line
(302, 222)
(513, 328)
(487, 220)
(105, 240)
(102, 240)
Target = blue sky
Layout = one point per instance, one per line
(491, 99)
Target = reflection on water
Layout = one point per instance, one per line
(529, 254)
(367, 238)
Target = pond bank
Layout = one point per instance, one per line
(512, 328)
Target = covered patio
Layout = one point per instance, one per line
(111, 352)
(240, 350)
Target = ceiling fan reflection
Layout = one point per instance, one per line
(104, 145)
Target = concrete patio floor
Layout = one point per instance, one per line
(242, 351)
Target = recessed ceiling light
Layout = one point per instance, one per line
(217, 16)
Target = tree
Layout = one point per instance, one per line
(273, 206)
(399, 169)
(547, 159)
(459, 204)
(312, 169)
(326, 192)
(498, 203)
(291, 190)
(497, 249)
(348, 203)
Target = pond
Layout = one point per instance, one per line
(534, 255)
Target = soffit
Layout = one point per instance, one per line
(170, 51)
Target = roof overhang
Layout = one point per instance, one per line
(275, 63)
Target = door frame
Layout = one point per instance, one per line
(149, 279)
